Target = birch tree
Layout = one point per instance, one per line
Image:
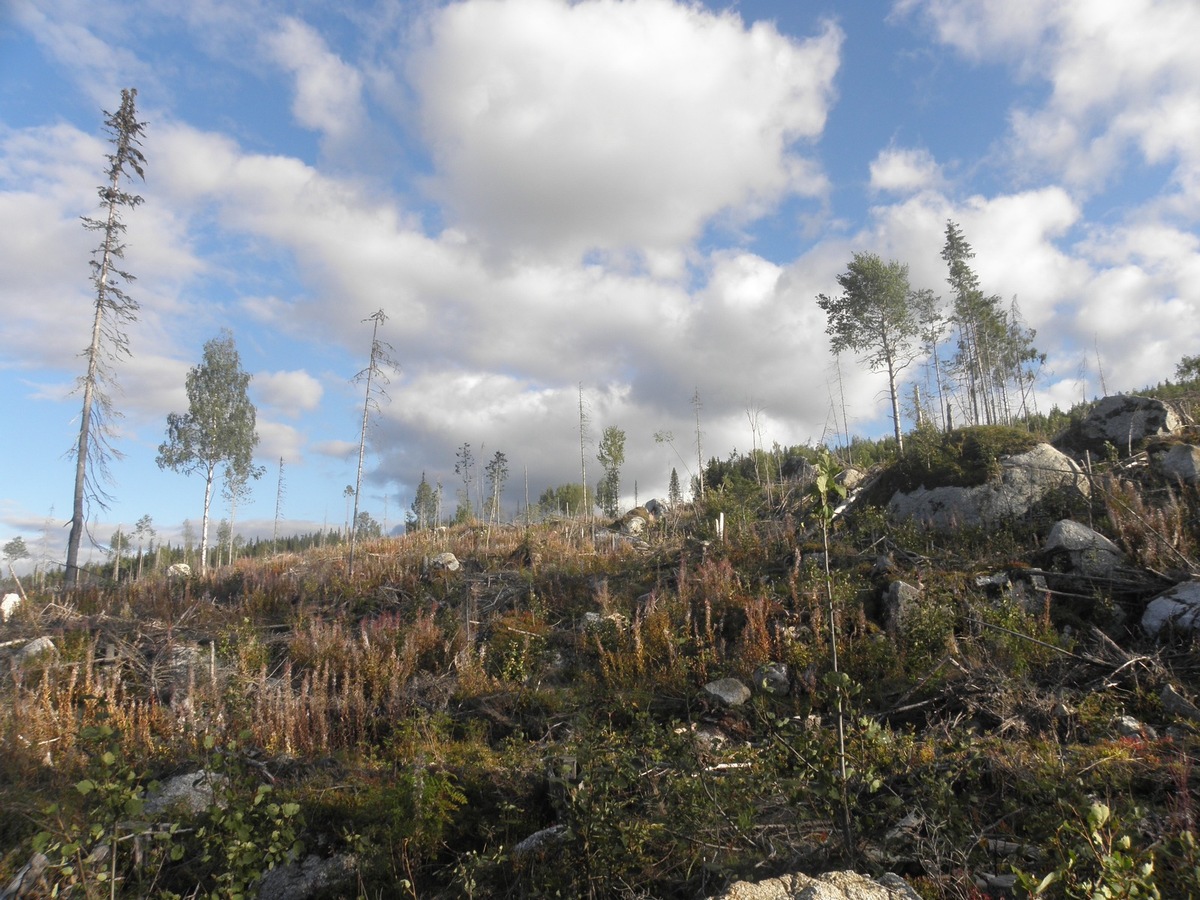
(112, 311)
(874, 317)
(219, 426)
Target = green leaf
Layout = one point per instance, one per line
(85, 787)
(1046, 882)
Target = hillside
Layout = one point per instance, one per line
(537, 715)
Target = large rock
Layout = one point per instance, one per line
(657, 509)
(899, 599)
(1176, 610)
(1025, 480)
(1074, 547)
(314, 875)
(830, 886)
(772, 678)
(1123, 421)
(635, 521)
(1180, 463)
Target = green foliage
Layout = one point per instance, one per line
(219, 426)
(98, 850)
(423, 514)
(875, 316)
(15, 550)
(611, 455)
(246, 831)
(964, 457)
(566, 499)
(1188, 368)
(367, 528)
(1096, 862)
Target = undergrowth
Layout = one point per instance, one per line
(431, 724)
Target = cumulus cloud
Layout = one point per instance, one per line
(336, 449)
(291, 392)
(904, 171)
(1109, 93)
(277, 440)
(568, 127)
(328, 95)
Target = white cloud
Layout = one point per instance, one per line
(336, 449)
(328, 90)
(1123, 75)
(291, 392)
(277, 440)
(904, 171)
(86, 39)
(568, 127)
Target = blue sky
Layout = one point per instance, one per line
(639, 197)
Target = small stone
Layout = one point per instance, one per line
(729, 691)
(1128, 726)
(772, 678)
(35, 648)
(444, 562)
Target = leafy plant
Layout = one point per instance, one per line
(246, 831)
(103, 850)
(1096, 862)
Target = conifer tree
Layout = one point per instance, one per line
(375, 379)
(113, 310)
(611, 456)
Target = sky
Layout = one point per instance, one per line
(632, 202)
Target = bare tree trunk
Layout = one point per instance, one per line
(208, 486)
(85, 426)
(891, 370)
(699, 452)
(587, 507)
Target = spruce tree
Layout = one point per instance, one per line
(113, 310)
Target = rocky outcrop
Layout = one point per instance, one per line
(830, 886)
(772, 678)
(1123, 421)
(634, 522)
(899, 598)
(1025, 481)
(9, 606)
(192, 793)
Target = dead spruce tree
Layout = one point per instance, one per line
(113, 309)
(375, 378)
